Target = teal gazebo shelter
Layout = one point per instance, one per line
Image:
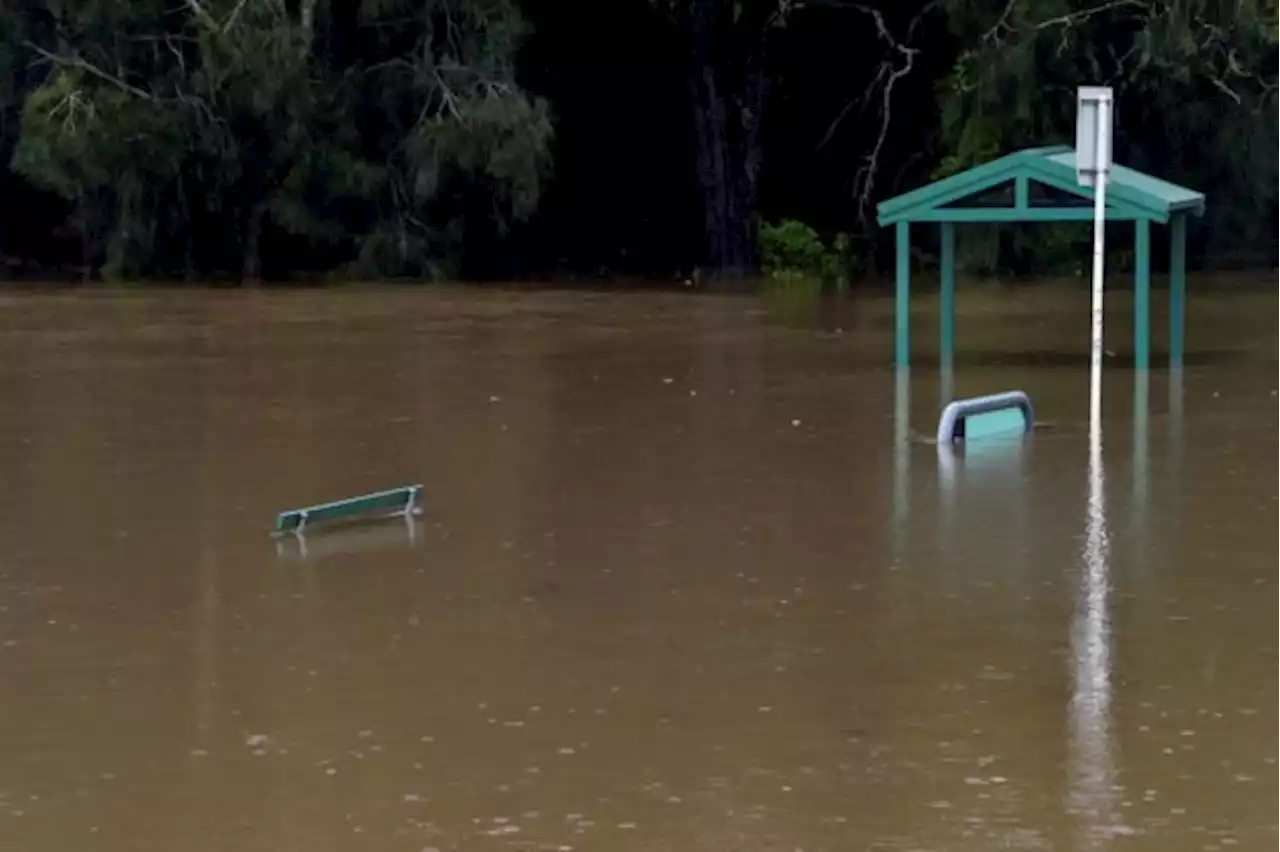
(1039, 185)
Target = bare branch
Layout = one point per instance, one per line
(397, 62)
(448, 100)
(453, 33)
(918, 19)
(1005, 24)
(1002, 23)
(90, 68)
(1082, 14)
(862, 102)
(202, 14)
(783, 10)
(177, 55)
(147, 38)
(308, 17)
(1224, 88)
(1095, 67)
(229, 21)
(1119, 59)
(864, 179)
(1233, 64)
(887, 76)
(72, 104)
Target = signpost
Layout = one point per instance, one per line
(1091, 640)
(1093, 166)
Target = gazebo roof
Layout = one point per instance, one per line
(1051, 171)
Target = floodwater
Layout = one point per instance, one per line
(690, 576)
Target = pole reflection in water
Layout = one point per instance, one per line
(1092, 792)
(901, 458)
(948, 488)
(1170, 493)
(356, 538)
(1175, 421)
(986, 475)
(1141, 460)
(997, 457)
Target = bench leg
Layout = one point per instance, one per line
(411, 504)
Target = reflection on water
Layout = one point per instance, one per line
(365, 537)
(1141, 464)
(1094, 792)
(684, 580)
(1176, 381)
(902, 450)
(992, 470)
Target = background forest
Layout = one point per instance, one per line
(245, 140)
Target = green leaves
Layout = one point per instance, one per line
(243, 126)
(792, 251)
(1195, 83)
(79, 134)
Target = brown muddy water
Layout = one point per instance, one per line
(687, 577)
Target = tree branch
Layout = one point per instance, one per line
(887, 77)
(848, 107)
(202, 14)
(864, 178)
(1221, 86)
(90, 68)
(308, 18)
(1002, 23)
(448, 100)
(994, 35)
(229, 21)
(1082, 14)
(783, 10)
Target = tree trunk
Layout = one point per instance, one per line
(188, 228)
(726, 94)
(251, 270)
(86, 252)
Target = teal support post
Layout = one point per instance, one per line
(1021, 193)
(902, 295)
(947, 302)
(1177, 287)
(1141, 294)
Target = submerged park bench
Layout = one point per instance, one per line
(985, 416)
(402, 501)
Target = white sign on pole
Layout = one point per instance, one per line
(1093, 132)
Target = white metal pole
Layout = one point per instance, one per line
(1099, 246)
(1091, 705)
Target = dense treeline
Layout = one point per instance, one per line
(249, 139)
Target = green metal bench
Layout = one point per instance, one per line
(403, 502)
(982, 416)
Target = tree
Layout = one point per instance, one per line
(1195, 84)
(881, 97)
(731, 61)
(727, 44)
(355, 132)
